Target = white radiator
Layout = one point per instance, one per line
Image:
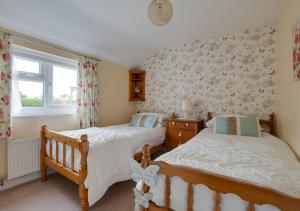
(23, 157)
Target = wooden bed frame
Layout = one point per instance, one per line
(253, 193)
(82, 145)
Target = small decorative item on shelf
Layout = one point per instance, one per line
(136, 90)
(136, 85)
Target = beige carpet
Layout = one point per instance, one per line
(59, 194)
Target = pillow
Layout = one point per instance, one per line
(148, 121)
(160, 122)
(135, 120)
(210, 123)
(249, 126)
(239, 125)
(225, 125)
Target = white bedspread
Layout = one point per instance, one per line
(266, 160)
(109, 153)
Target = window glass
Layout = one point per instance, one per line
(64, 86)
(31, 93)
(26, 65)
(43, 84)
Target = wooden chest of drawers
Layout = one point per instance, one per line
(180, 131)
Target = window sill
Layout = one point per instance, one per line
(40, 115)
(43, 114)
(31, 112)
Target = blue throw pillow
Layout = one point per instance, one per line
(148, 121)
(249, 126)
(226, 125)
(135, 121)
(243, 126)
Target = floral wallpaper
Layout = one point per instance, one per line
(234, 73)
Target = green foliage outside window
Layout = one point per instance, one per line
(38, 101)
(31, 101)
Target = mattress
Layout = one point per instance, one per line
(266, 160)
(110, 149)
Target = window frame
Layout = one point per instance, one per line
(46, 63)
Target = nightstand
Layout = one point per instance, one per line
(179, 131)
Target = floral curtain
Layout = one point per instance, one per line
(5, 86)
(88, 104)
(296, 50)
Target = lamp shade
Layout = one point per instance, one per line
(160, 12)
(187, 105)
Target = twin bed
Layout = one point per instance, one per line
(207, 173)
(99, 158)
(226, 172)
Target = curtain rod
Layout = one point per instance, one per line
(47, 44)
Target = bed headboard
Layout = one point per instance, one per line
(270, 123)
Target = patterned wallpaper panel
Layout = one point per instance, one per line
(227, 74)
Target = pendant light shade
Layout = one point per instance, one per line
(160, 12)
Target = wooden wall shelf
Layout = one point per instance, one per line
(136, 85)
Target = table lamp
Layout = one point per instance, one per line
(187, 108)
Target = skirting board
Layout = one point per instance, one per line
(7, 184)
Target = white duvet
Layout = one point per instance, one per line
(267, 161)
(109, 153)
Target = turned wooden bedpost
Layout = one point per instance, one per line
(145, 162)
(83, 192)
(146, 156)
(272, 124)
(209, 116)
(43, 166)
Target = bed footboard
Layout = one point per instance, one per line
(61, 142)
(252, 193)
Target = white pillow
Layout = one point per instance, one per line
(210, 123)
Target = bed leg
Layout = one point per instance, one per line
(83, 192)
(145, 162)
(43, 166)
(44, 173)
(83, 195)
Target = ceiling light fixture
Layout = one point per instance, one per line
(160, 12)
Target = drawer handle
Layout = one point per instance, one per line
(186, 124)
(180, 134)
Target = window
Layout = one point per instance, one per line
(64, 91)
(43, 84)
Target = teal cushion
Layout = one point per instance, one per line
(249, 126)
(243, 126)
(149, 121)
(226, 125)
(135, 121)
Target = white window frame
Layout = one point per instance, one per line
(46, 61)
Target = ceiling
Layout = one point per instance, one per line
(120, 31)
